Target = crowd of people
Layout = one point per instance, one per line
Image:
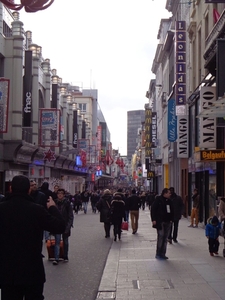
(39, 213)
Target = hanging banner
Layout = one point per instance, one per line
(180, 62)
(154, 129)
(27, 90)
(4, 104)
(99, 142)
(75, 129)
(182, 136)
(148, 132)
(49, 127)
(207, 127)
(172, 121)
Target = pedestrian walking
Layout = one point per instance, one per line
(117, 215)
(22, 222)
(195, 209)
(212, 232)
(104, 205)
(143, 200)
(37, 195)
(85, 199)
(162, 218)
(178, 207)
(134, 205)
(66, 210)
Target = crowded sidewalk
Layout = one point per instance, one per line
(132, 272)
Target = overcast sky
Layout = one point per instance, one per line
(108, 45)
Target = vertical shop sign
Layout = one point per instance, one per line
(27, 90)
(4, 104)
(49, 127)
(154, 129)
(180, 62)
(172, 121)
(75, 129)
(207, 128)
(182, 136)
(148, 132)
(99, 141)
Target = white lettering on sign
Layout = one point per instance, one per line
(27, 108)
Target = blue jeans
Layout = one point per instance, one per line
(127, 215)
(85, 204)
(65, 239)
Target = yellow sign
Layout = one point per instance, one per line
(150, 174)
(212, 155)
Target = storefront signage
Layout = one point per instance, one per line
(154, 129)
(27, 90)
(182, 139)
(180, 63)
(212, 155)
(75, 129)
(4, 104)
(150, 175)
(148, 132)
(207, 128)
(172, 121)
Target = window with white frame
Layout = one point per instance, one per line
(83, 107)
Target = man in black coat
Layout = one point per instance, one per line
(38, 196)
(178, 207)
(162, 218)
(21, 227)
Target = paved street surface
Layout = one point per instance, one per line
(133, 273)
(80, 277)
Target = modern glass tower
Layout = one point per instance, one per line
(134, 120)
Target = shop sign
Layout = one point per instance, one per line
(172, 121)
(148, 132)
(182, 139)
(180, 63)
(212, 155)
(150, 175)
(207, 127)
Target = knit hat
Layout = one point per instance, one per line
(215, 220)
(106, 192)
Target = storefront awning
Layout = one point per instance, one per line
(215, 110)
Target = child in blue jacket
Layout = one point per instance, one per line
(212, 232)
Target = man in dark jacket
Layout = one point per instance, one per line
(38, 196)
(21, 227)
(134, 205)
(66, 211)
(178, 207)
(162, 217)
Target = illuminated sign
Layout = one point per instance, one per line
(212, 155)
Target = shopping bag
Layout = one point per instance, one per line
(124, 226)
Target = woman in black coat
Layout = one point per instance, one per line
(103, 205)
(117, 215)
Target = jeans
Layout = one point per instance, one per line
(174, 230)
(213, 245)
(85, 205)
(134, 216)
(65, 239)
(162, 235)
(127, 215)
(20, 292)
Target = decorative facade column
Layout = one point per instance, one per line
(14, 72)
(35, 91)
